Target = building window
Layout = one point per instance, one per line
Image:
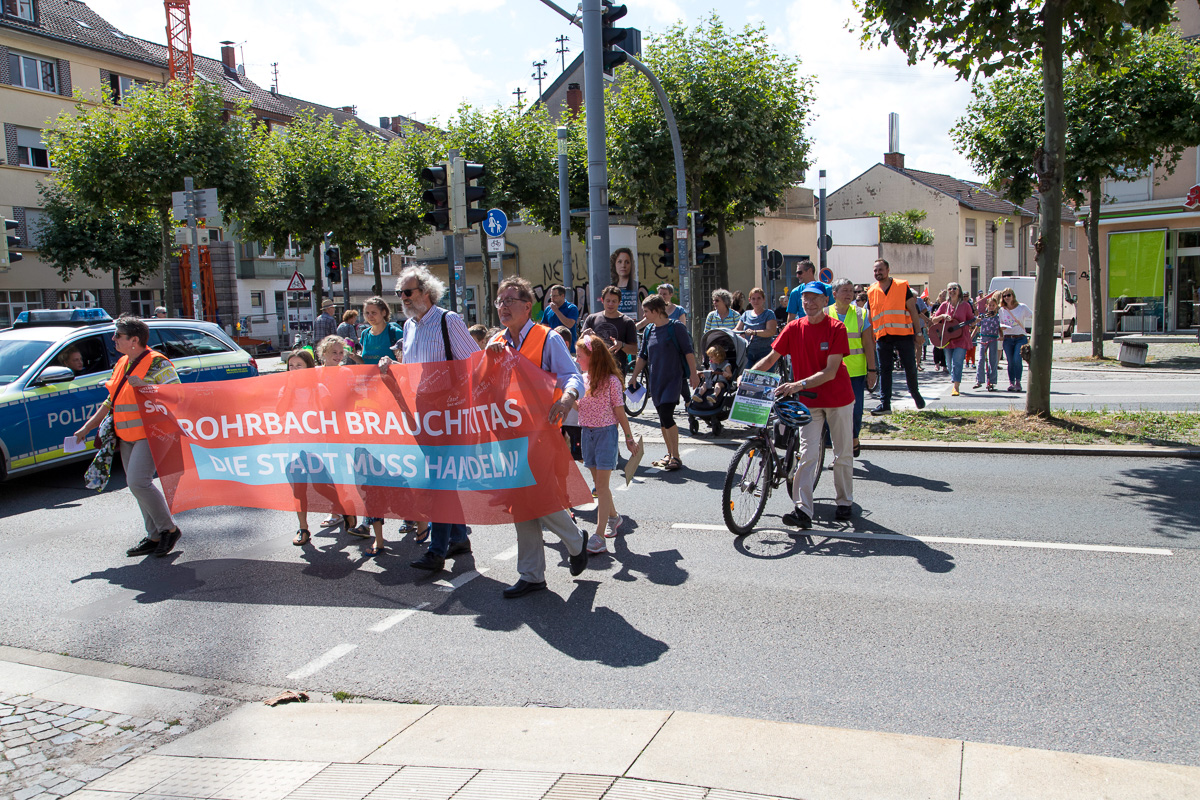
(76, 298)
(969, 236)
(1071, 238)
(119, 86)
(13, 303)
(34, 222)
(141, 302)
(31, 150)
(1010, 235)
(33, 72)
(256, 300)
(24, 9)
(1033, 235)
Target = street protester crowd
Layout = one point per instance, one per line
(832, 344)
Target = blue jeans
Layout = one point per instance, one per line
(444, 534)
(956, 356)
(986, 363)
(1012, 354)
(859, 384)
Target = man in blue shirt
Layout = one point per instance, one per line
(514, 301)
(561, 311)
(806, 273)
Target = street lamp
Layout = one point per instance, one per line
(821, 212)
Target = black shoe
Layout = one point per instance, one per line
(843, 513)
(522, 588)
(920, 401)
(429, 562)
(143, 548)
(167, 543)
(797, 519)
(459, 548)
(880, 411)
(578, 563)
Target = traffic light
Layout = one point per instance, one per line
(438, 176)
(700, 222)
(667, 259)
(466, 193)
(333, 264)
(613, 36)
(7, 242)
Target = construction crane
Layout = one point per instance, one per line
(181, 63)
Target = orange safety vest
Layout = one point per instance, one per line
(533, 348)
(889, 312)
(127, 422)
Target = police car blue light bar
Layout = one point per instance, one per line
(61, 316)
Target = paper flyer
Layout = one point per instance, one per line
(755, 397)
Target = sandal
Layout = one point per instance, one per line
(421, 535)
(672, 465)
(302, 537)
(360, 531)
(372, 550)
(661, 463)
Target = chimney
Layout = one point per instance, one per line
(385, 123)
(349, 109)
(574, 98)
(228, 57)
(893, 157)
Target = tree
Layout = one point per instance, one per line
(80, 237)
(1141, 112)
(129, 158)
(904, 227)
(741, 108)
(987, 37)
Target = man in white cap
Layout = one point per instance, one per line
(325, 325)
(817, 344)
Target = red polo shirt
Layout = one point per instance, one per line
(810, 347)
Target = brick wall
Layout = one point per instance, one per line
(10, 143)
(5, 76)
(22, 230)
(64, 77)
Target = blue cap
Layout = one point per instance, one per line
(813, 287)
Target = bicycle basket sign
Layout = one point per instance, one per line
(755, 397)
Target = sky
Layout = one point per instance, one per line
(422, 58)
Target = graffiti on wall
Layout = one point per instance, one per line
(650, 275)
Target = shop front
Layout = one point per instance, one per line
(1153, 281)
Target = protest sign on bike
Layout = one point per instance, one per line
(755, 396)
(458, 441)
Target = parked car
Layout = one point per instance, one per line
(53, 365)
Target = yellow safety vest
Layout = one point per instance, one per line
(889, 312)
(856, 362)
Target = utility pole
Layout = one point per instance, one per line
(275, 77)
(593, 92)
(564, 211)
(520, 93)
(540, 74)
(563, 49)
(821, 212)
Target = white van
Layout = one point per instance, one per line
(1024, 289)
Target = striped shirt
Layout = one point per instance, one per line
(423, 341)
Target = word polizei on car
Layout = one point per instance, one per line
(53, 365)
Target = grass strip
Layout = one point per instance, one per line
(1160, 428)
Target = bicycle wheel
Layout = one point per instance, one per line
(820, 463)
(633, 410)
(747, 485)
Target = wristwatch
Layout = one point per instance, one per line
(804, 384)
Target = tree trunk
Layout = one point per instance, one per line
(116, 276)
(1093, 234)
(168, 295)
(378, 287)
(1050, 187)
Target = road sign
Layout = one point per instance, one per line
(184, 236)
(296, 284)
(826, 275)
(495, 244)
(206, 203)
(681, 233)
(774, 259)
(825, 244)
(496, 223)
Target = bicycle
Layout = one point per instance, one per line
(763, 462)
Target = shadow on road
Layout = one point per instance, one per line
(1168, 493)
(778, 542)
(866, 471)
(59, 488)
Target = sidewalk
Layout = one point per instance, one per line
(386, 751)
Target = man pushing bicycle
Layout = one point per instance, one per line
(817, 343)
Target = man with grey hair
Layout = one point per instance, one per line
(431, 333)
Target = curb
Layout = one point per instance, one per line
(1019, 448)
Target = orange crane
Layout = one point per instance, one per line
(181, 63)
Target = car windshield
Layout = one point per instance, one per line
(18, 355)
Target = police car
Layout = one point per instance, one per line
(53, 365)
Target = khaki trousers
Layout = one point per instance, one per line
(841, 432)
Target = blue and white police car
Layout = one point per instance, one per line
(53, 365)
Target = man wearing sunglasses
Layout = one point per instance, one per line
(431, 333)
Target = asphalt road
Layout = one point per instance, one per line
(1020, 616)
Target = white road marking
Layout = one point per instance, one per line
(1093, 548)
(625, 487)
(588, 506)
(323, 661)
(398, 617)
(508, 554)
(457, 583)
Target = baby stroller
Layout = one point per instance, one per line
(735, 349)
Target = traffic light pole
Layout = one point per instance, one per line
(189, 187)
(593, 92)
(682, 251)
(564, 212)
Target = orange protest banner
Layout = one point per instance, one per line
(456, 441)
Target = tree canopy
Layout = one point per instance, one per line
(741, 107)
(904, 227)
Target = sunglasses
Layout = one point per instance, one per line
(405, 292)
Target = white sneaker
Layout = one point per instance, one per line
(614, 525)
(596, 544)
